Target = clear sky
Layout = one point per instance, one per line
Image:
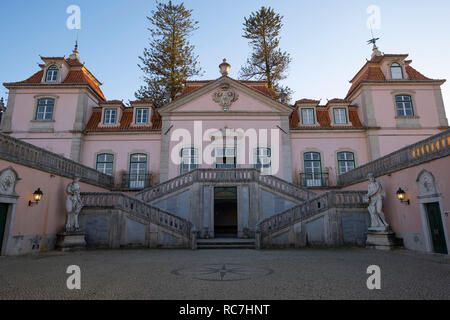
(326, 39)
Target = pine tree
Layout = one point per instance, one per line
(267, 61)
(169, 60)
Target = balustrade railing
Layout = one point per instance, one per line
(224, 176)
(314, 180)
(280, 185)
(137, 208)
(17, 151)
(136, 181)
(311, 207)
(434, 147)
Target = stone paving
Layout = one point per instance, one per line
(226, 274)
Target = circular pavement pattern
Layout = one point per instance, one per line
(223, 272)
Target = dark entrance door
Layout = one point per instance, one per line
(3, 212)
(436, 227)
(225, 213)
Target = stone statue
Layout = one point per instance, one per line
(73, 205)
(375, 196)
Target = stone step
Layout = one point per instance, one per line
(233, 246)
(226, 243)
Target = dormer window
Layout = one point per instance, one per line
(340, 116)
(308, 117)
(52, 74)
(396, 71)
(110, 116)
(141, 116)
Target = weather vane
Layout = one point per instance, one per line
(373, 40)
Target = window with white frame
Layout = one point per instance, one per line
(44, 110)
(105, 163)
(340, 115)
(346, 161)
(52, 74)
(396, 71)
(313, 169)
(225, 158)
(189, 159)
(141, 116)
(263, 160)
(138, 171)
(110, 116)
(404, 106)
(308, 117)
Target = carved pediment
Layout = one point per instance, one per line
(225, 95)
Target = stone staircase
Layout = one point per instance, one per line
(226, 243)
(211, 176)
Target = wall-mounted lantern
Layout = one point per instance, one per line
(37, 196)
(401, 195)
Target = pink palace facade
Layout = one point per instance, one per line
(62, 108)
(224, 159)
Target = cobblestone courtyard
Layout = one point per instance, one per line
(226, 274)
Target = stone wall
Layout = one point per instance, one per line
(115, 220)
(34, 228)
(331, 228)
(417, 168)
(336, 218)
(114, 229)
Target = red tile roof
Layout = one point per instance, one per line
(371, 73)
(337, 100)
(78, 75)
(126, 122)
(324, 121)
(81, 77)
(309, 101)
(413, 74)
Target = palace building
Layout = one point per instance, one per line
(298, 151)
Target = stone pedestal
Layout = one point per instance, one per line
(71, 241)
(380, 240)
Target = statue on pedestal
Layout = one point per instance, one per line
(375, 196)
(73, 205)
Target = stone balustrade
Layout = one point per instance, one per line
(311, 207)
(224, 176)
(434, 147)
(280, 185)
(29, 155)
(137, 208)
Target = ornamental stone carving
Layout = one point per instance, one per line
(225, 96)
(375, 196)
(427, 184)
(73, 205)
(8, 180)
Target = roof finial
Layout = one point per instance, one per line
(224, 67)
(74, 54)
